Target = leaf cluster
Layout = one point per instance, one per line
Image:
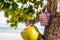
(16, 13)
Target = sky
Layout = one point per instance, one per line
(2, 20)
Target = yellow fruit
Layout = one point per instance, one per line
(33, 33)
(25, 35)
(30, 33)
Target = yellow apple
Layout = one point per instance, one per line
(33, 33)
(30, 33)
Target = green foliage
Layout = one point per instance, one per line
(18, 14)
(22, 1)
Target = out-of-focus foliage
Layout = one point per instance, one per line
(16, 13)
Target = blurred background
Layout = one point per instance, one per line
(8, 33)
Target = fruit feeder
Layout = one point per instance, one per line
(44, 18)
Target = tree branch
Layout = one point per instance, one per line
(36, 20)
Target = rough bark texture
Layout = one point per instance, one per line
(52, 32)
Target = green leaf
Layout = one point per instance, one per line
(22, 1)
(14, 5)
(5, 5)
(1, 0)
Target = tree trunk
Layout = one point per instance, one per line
(52, 32)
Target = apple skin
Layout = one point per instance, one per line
(31, 33)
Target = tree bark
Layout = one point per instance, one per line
(52, 32)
